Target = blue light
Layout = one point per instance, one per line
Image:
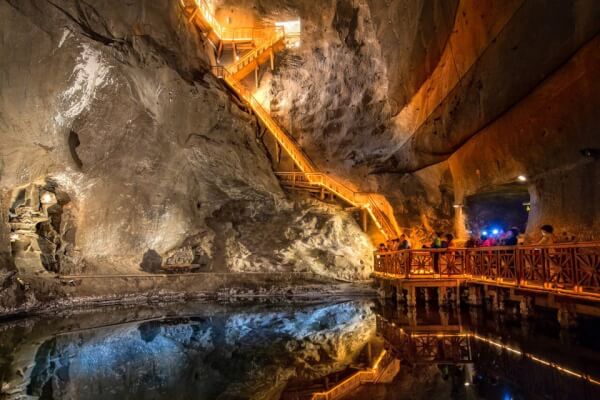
(484, 233)
(495, 231)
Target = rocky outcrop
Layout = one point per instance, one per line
(110, 108)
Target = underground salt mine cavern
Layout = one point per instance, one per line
(300, 199)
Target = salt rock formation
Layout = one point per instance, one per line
(385, 93)
(109, 108)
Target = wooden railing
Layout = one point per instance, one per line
(358, 199)
(278, 34)
(348, 385)
(570, 268)
(382, 217)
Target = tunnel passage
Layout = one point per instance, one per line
(498, 208)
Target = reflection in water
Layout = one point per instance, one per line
(224, 353)
(482, 356)
(212, 351)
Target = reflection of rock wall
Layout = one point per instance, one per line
(124, 118)
(241, 354)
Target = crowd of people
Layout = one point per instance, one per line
(510, 237)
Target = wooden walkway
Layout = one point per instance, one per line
(566, 269)
(265, 43)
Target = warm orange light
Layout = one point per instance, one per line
(367, 375)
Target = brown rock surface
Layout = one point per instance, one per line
(110, 106)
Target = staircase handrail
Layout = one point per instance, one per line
(251, 55)
(286, 141)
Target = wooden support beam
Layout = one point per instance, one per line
(193, 15)
(364, 220)
(220, 51)
(277, 152)
(272, 57)
(256, 76)
(322, 194)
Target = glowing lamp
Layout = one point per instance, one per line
(457, 205)
(47, 198)
(484, 233)
(495, 231)
(522, 178)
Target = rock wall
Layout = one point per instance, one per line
(112, 105)
(382, 93)
(544, 138)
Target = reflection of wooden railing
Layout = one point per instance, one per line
(383, 217)
(569, 268)
(466, 346)
(348, 385)
(436, 348)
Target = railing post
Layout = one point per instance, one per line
(518, 266)
(545, 266)
(575, 269)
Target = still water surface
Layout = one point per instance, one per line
(266, 351)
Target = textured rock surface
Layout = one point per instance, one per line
(398, 87)
(110, 106)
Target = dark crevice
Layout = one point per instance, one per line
(84, 24)
(74, 143)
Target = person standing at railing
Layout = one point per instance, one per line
(436, 243)
(449, 242)
(511, 237)
(547, 232)
(487, 241)
(404, 242)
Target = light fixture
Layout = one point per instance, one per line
(522, 178)
(47, 198)
(495, 231)
(457, 206)
(484, 233)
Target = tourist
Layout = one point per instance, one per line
(472, 242)
(404, 242)
(511, 237)
(487, 241)
(547, 235)
(449, 242)
(436, 243)
(382, 248)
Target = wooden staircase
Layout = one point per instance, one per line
(307, 177)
